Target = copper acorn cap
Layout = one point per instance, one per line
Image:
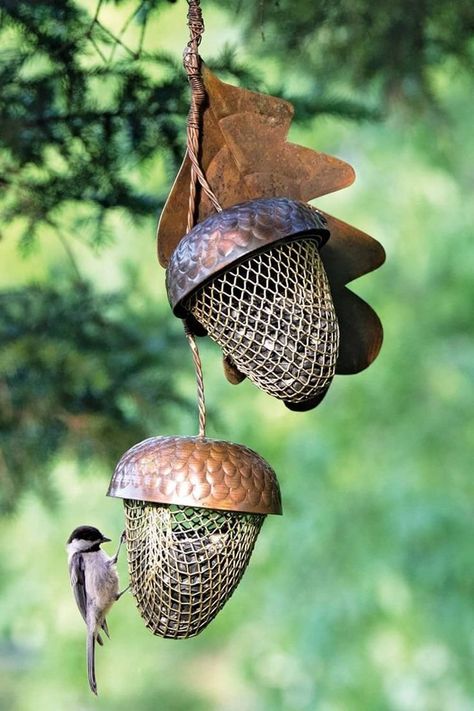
(197, 471)
(233, 234)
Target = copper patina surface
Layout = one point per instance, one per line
(197, 471)
(227, 237)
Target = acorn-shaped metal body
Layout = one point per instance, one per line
(251, 277)
(193, 508)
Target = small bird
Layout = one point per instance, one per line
(95, 584)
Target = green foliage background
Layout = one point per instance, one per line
(361, 596)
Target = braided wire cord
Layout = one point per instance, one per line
(199, 380)
(192, 65)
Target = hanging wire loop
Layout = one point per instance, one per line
(192, 65)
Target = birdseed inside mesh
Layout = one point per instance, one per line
(185, 563)
(274, 317)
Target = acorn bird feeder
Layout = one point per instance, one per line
(194, 507)
(252, 277)
(263, 273)
(193, 510)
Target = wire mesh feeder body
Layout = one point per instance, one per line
(252, 278)
(193, 510)
(188, 562)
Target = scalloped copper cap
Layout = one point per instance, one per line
(196, 471)
(230, 235)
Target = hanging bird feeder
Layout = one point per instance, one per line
(194, 507)
(252, 277)
(263, 273)
(193, 510)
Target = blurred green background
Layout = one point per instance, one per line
(361, 597)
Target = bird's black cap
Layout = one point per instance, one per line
(87, 533)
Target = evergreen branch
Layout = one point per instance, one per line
(115, 39)
(309, 107)
(96, 14)
(97, 49)
(81, 372)
(67, 248)
(125, 28)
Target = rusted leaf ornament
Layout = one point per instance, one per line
(267, 181)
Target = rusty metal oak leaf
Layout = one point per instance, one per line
(245, 156)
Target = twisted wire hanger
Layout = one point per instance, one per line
(192, 66)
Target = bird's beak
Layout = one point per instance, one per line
(104, 539)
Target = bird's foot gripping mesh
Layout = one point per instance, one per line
(185, 563)
(273, 316)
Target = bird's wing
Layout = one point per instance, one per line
(78, 583)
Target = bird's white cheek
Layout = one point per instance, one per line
(78, 545)
(74, 547)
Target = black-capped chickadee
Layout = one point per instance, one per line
(95, 584)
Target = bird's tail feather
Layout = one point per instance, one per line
(105, 628)
(91, 662)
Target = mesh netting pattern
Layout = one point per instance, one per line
(274, 317)
(185, 563)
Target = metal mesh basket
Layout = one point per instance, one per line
(185, 562)
(273, 316)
